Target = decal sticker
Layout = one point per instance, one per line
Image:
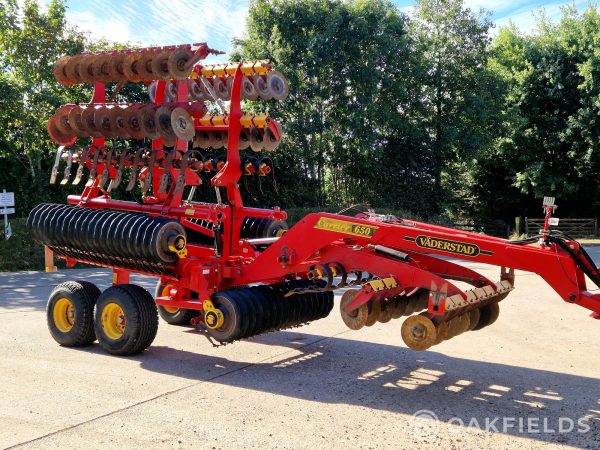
(343, 226)
(446, 245)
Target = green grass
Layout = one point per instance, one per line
(20, 252)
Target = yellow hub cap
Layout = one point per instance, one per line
(64, 315)
(165, 293)
(113, 321)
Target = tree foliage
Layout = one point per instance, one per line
(32, 38)
(551, 114)
(432, 112)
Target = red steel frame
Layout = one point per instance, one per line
(204, 272)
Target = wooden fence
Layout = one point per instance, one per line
(573, 227)
(497, 228)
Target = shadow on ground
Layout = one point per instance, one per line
(395, 379)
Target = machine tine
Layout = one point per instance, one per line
(134, 166)
(213, 94)
(54, 173)
(116, 181)
(181, 176)
(107, 163)
(94, 169)
(148, 176)
(164, 179)
(67, 173)
(192, 161)
(81, 160)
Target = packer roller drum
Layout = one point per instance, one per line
(254, 310)
(129, 240)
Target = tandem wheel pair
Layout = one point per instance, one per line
(123, 318)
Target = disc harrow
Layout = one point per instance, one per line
(229, 269)
(260, 309)
(134, 65)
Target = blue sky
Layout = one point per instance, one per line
(164, 22)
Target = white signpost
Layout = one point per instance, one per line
(7, 199)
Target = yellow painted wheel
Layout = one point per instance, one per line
(63, 315)
(126, 319)
(70, 312)
(113, 321)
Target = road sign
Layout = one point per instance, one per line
(7, 198)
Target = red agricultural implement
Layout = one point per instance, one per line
(231, 270)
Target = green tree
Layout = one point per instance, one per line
(551, 117)
(349, 118)
(31, 40)
(459, 93)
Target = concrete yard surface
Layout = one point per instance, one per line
(531, 380)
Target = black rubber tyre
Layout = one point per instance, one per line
(180, 317)
(126, 319)
(70, 313)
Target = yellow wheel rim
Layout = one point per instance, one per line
(63, 315)
(113, 321)
(164, 293)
